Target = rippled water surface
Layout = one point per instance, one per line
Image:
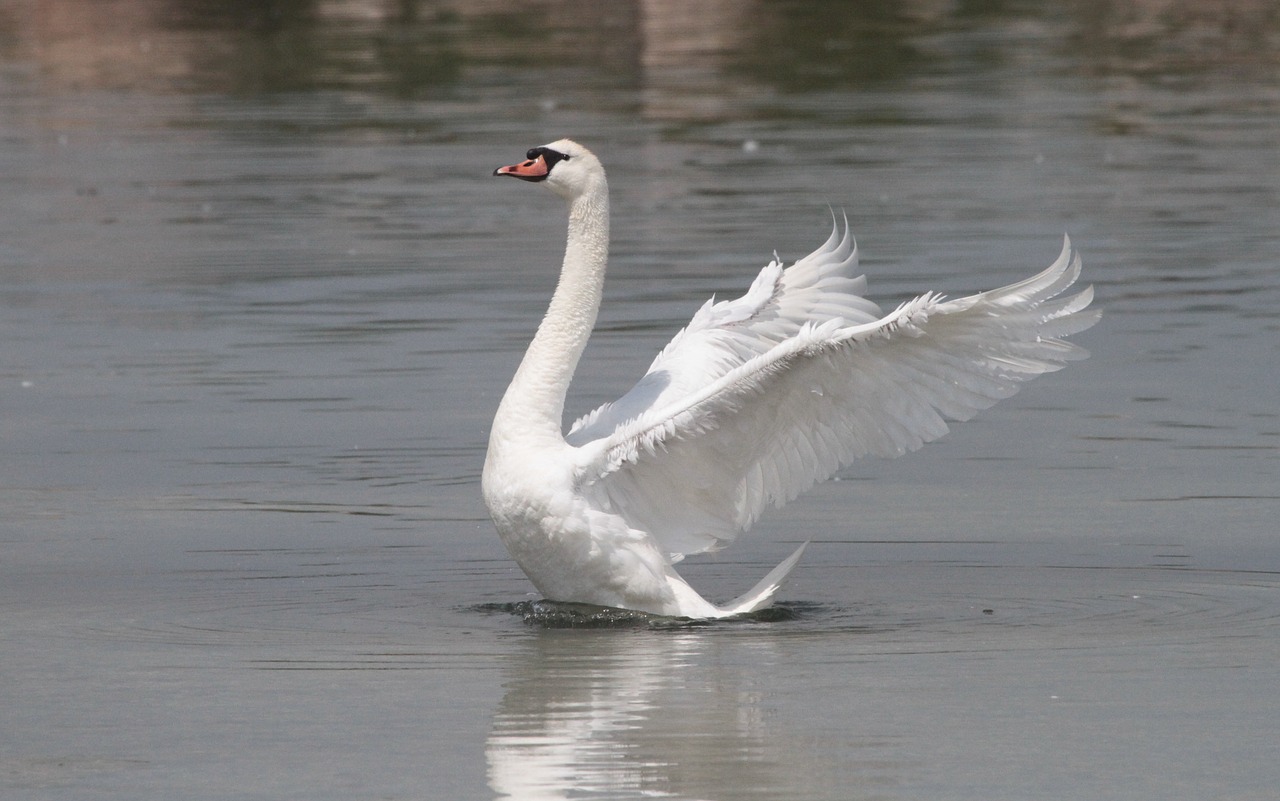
(259, 298)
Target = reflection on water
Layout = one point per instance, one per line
(259, 299)
(625, 717)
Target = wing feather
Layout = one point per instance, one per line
(696, 464)
(724, 335)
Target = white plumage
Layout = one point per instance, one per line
(752, 403)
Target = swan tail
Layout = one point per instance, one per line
(761, 595)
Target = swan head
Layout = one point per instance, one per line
(566, 167)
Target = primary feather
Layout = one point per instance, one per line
(696, 467)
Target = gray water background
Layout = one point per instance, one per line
(259, 298)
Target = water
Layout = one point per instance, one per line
(259, 300)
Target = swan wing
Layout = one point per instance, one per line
(724, 335)
(696, 468)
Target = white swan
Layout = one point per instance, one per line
(747, 407)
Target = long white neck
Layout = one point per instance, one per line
(533, 407)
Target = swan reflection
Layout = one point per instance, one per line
(618, 715)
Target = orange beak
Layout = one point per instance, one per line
(531, 170)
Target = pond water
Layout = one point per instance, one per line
(260, 297)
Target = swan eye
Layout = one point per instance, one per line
(551, 157)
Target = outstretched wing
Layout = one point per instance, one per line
(696, 467)
(724, 336)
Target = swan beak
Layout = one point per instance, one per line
(531, 170)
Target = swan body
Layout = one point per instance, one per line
(752, 403)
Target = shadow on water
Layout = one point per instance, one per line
(908, 608)
(561, 615)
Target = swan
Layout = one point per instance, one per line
(755, 401)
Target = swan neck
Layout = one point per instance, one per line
(533, 406)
